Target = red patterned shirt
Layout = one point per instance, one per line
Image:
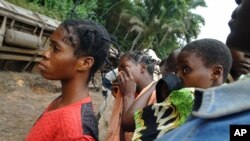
(75, 122)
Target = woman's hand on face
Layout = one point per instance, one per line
(126, 82)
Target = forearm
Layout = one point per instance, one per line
(127, 103)
(141, 102)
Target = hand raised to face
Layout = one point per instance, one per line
(126, 82)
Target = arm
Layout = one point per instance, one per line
(127, 87)
(128, 121)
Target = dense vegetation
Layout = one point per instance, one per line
(137, 24)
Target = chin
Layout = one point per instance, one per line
(47, 76)
(231, 40)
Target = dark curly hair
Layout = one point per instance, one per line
(88, 39)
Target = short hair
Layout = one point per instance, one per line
(172, 59)
(88, 39)
(141, 57)
(212, 52)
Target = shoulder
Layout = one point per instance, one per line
(197, 129)
(80, 121)
(89, 121)
(212, 102)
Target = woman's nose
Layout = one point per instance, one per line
(46, 54)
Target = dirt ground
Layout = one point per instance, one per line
(23, 97)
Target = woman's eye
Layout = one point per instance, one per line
(53, 46)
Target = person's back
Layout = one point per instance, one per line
(216, 109)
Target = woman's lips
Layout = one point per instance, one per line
(41, 66)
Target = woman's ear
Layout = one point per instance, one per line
(85, 63)
(217, 72)
(143, 67)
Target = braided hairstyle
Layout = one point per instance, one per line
(88, 39)
(141, 57)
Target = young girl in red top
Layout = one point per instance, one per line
(77, 50)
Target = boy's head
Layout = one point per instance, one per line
(138, 62)
(204, 63)
(76, 46)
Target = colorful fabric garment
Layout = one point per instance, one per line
(159, 118)
(215, 110)
(75, 122)
(115, 132)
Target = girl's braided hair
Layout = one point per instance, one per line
(141, 57)
(88, 39)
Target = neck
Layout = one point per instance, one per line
(217, 82)
(73, 90)
(144, 82)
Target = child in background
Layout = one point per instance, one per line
(202, 64)
(77, 50)
(169, 64)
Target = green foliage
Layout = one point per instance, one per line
(161, 25)
(183, 101)
(60, 9)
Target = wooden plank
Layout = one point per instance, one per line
(19, 57)
(20, 50)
